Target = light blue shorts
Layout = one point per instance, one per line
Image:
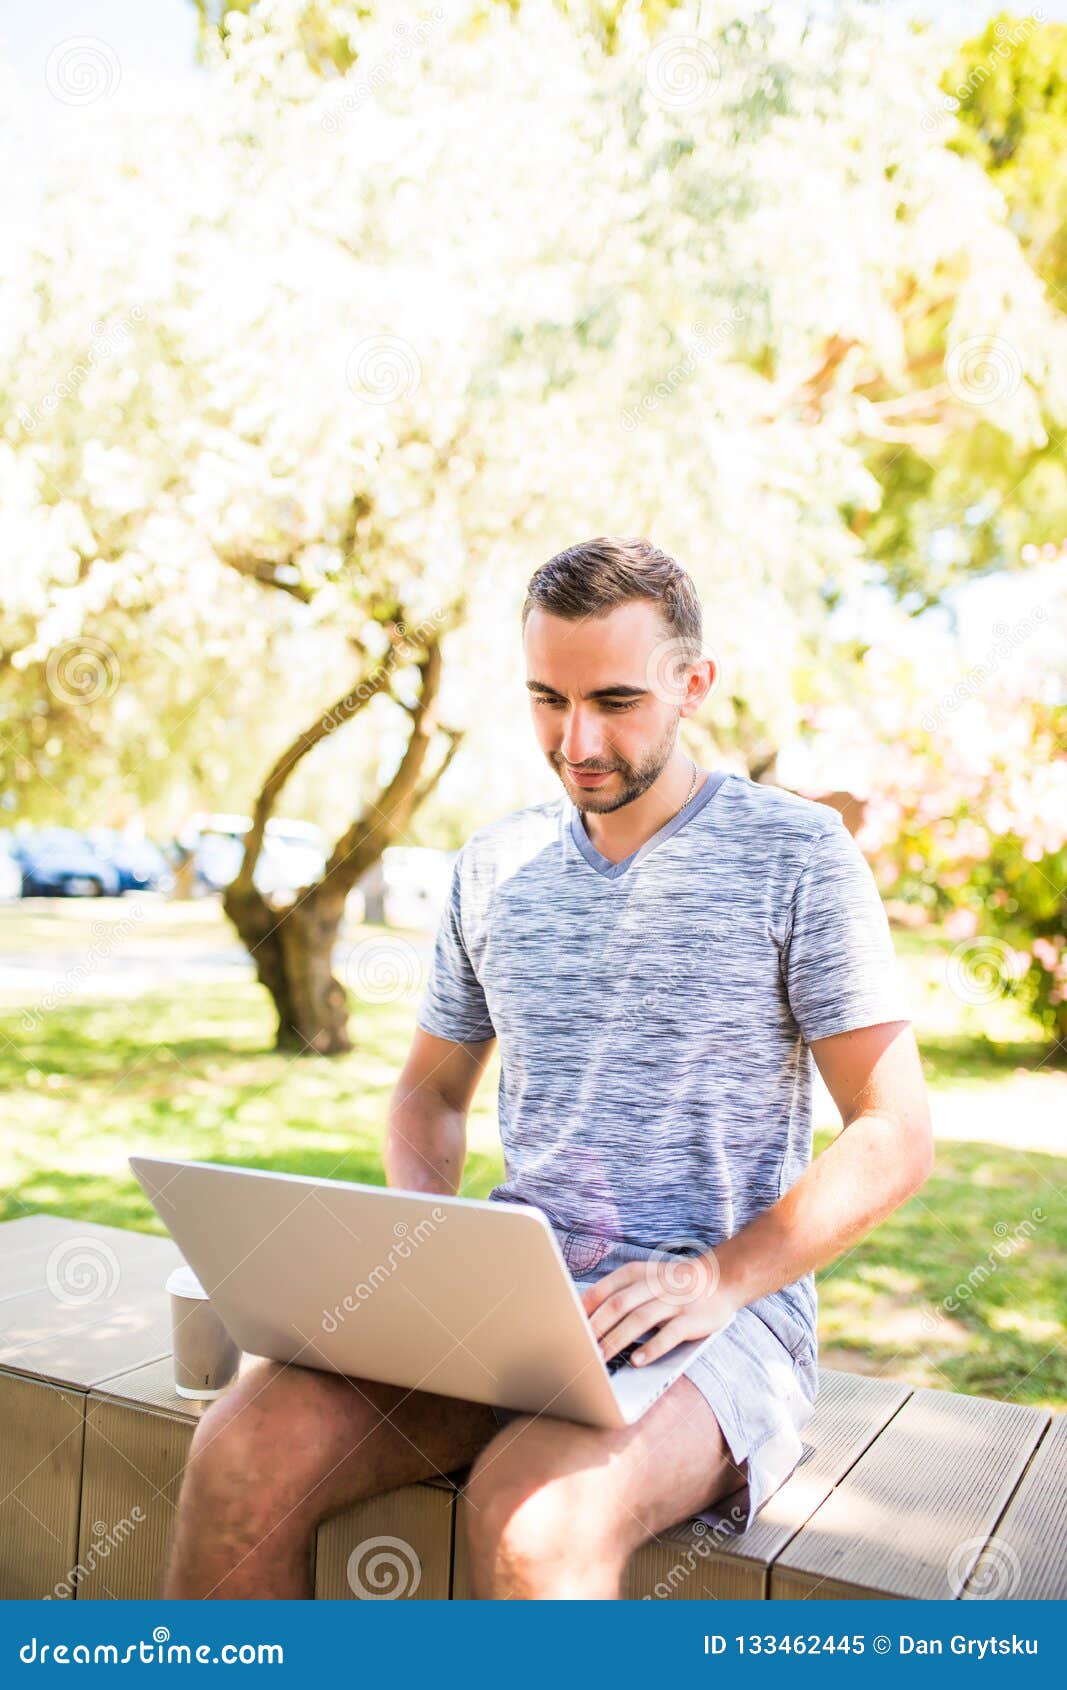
(761, 1392)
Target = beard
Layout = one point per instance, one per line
(634, 778)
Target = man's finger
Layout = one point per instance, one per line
(594, 1295)
(618, 1306)
(634, 1326)
(672, 1333)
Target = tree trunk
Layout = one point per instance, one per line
(293, 951)
(292, 948)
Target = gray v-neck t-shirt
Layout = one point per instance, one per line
(654, 1015)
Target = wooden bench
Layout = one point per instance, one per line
(903, 1493)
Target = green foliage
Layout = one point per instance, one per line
(715, 303)
(1008, 90)
(327, 47)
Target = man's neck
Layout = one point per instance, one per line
(619, 833)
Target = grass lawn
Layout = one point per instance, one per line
(33, 926)
(964, 1287)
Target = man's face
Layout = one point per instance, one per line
(606, 695)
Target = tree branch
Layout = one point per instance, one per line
(922, 402)
(347, 706)
(455, 739)
(814, 386)
(363, 842)
(265, 571)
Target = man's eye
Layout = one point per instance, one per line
(625, 704)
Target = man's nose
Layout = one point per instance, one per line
(582, 740)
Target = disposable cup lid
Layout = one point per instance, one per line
(182, 1282)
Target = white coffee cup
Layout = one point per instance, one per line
(205, 1356)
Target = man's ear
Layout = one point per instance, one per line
(701, 684)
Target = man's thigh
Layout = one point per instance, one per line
(625, 1485)
(334, 1439)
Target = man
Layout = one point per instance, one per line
(657, 952)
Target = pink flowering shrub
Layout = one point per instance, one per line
(966, 813)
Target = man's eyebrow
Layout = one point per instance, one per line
(622, 690)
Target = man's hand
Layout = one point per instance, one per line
(682, 1297)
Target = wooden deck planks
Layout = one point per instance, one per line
(911, 1517)
(1027, 1553)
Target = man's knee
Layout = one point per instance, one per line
(273, 1437)
(526, 1510)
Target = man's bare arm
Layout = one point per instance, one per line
(426, 1138)
(882, 1156)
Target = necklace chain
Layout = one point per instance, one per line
(692, 789)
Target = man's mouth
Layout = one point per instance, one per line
(589, 777)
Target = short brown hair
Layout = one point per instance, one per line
(594, 577)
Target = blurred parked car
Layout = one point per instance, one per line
(139, 864)
(292, 855)
(10, 874)
(407, 886)
(56, 862)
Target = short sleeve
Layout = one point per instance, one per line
(453, 1005)
(841, 971)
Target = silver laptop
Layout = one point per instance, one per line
(456, 1295)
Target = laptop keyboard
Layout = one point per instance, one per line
(623, 1356)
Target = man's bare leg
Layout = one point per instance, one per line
(284, 1448)
(556, 1510)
